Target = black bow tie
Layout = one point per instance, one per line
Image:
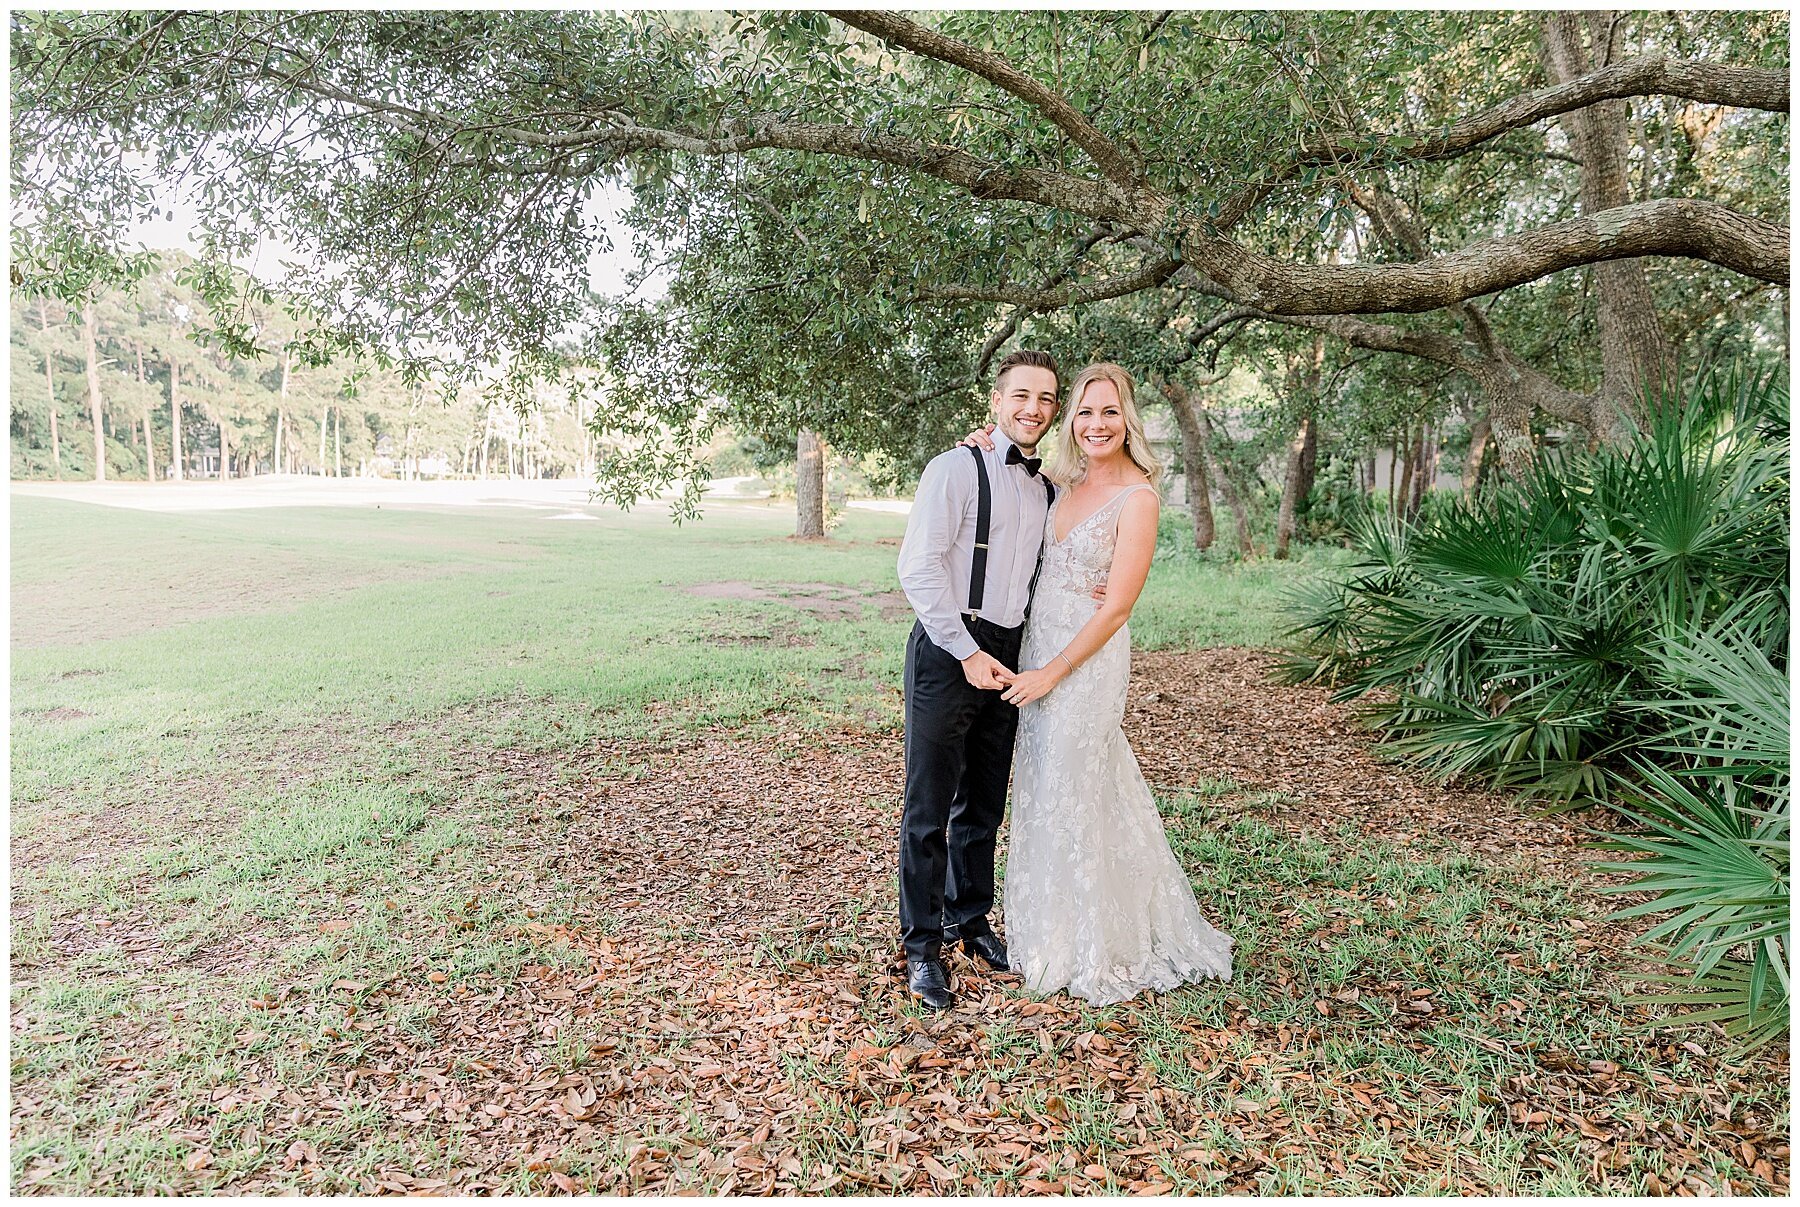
(1015, 457)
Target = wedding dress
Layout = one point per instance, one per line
(1095, 901)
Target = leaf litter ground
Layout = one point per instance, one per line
(673, 969)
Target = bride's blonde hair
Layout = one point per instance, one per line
(1069, 465)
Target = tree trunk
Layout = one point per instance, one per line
(588, 468)
(1304, 376)
(1421, 471)
(144, 394)
(224, 450)
(88, 325)
(809, 486)
(1634, 350)
(1234, 499)
(1400, 486)
(1479, 433)
(50, 389)
(175, 470)
(55, 437)
(1296, 482)
(1193, 464)
(287, 366)
(1221, 476)
(337, 434)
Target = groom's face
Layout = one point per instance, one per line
(1024, 401)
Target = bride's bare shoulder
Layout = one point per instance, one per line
(1140, 506)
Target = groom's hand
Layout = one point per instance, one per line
(984, 671)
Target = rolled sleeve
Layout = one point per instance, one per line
(931, 529)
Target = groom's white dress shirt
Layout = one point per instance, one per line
(936, 556)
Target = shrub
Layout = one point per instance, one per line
(1612, 629)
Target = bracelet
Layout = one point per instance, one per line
(1066, 662)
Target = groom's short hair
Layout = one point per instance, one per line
(1031, 358)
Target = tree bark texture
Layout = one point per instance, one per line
(1296, 478)
(1220, 474)
(809, 485)
(1634, 349)
(1479, 431)
(1193, 464)
(1296, 482)
(1400, 484)
(1421, 471)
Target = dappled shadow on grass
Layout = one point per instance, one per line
(652, 962)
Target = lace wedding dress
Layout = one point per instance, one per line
(1095, 901)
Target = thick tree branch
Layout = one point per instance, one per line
(1380, 337)
(1505, 374)
(1147, 277)
(898, 31)
(1674, 226)
(1707, 83)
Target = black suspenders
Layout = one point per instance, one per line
(984, 518)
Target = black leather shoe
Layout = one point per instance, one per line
(930, 983)
(989, 948)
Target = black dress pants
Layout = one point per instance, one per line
(959, 748)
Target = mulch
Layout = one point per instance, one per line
(719, 1007)
(1211, 713)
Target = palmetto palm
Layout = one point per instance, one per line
(1611, 629)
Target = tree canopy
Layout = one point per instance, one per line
(854, 212)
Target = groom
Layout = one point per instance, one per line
(967, 565)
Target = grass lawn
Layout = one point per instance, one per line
(364, 850)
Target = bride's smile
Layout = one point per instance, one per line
(1099, 421)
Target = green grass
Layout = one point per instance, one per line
(581, 626)
(274, 744)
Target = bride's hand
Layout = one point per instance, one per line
(979, 438)
(1034, 685)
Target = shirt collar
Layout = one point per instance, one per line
(1002, 442)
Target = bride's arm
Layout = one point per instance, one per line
(1132, 551)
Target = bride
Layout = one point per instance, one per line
(1095, 901)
